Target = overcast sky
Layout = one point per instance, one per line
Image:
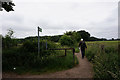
(98, 17)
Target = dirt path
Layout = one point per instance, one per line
(83, 70)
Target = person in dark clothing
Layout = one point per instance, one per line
(82, 46)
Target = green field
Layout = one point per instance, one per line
(105, 61)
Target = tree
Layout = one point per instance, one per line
(8, 41)
(113, 39)
(10, 33)
(68, 33)
(85, 35)
(66, 40)
(55, 38)
(93, 39)
(7, 5)
(73, 35)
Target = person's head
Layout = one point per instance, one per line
(81, 39)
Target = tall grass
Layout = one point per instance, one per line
(105, 62)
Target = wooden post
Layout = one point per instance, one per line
(46, 44)
(73, 50)
(73, 56)
(38, 42)
(65, 52)
(102, 48)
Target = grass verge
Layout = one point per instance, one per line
(105, 62)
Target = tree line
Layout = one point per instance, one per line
(74, 35)
(69, 38)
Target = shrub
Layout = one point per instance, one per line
(66, 40)
(27, 55)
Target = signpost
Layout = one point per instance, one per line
(39, 29)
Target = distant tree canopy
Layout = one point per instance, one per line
(93, 39)
(85, 35)
(78, 35)
(55, 38)
(69, 33)
(74, 35)
(8, 6)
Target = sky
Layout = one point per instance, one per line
(98, 17)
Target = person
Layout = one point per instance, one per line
(82, 46)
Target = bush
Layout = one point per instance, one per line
(66, 40)
(26, 56)
(14, 57)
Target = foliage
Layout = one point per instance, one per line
(69, 33)
(96, 39)
(93, 39)
(77, 50)
(85, 35)
(8, 41)
(74, 35)
(105, 62)
(55, 38)
(66, 40)
(8, 6)
(25, 58)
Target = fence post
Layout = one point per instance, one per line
(38, 43)
(102, 48)
(73, 56)
(46, 45)
(65, 52)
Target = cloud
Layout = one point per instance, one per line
(107, 28)
(98, 18)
